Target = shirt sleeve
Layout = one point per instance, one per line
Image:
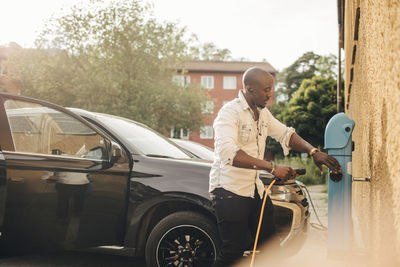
(226, 135)
(280, 133)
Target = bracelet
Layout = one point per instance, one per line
(273, 167)
(313, 151)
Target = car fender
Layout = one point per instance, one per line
(144, 214)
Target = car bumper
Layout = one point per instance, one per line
(296, 231)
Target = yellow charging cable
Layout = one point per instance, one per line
(259, 223)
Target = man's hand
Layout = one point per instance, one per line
(284, 172)
(323, 158)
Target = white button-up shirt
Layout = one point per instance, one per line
(234, 129)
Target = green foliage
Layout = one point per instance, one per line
(309, 87)
(313, 173)
(208, 51)
(310, 109)
(305, 67)
(112, 57)
(271, 144)
(327, 66)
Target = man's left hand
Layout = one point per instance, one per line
(323, 158)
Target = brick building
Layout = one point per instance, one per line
(223, 80)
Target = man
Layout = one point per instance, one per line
(241, 129)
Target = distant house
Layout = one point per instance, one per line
(6, 84)
(223, 80)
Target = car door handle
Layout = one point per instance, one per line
(17, 179)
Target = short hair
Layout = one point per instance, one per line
(251, 75)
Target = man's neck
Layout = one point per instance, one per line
(252, 105)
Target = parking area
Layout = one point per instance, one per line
(314, 251)
(71, 258)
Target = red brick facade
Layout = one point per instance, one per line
(218, 70)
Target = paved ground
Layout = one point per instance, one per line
(314, 251)
(71, 258)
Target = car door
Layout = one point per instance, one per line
(65, 188)
(3, 180)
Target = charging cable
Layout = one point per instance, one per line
(319, 226)
(259, 222)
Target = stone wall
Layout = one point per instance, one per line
(374, 104)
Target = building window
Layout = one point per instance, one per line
(206, 132)
(207, 107)
(184, 134)
(207, 82)
(179, 133)
(181, 79)
(230, 82)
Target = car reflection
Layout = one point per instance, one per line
(72, 189)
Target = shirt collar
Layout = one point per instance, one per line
(243, 101)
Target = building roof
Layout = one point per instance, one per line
(226, 66)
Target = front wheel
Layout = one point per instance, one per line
(183, 238)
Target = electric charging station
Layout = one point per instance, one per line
(338, 142)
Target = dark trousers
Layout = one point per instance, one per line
(237, 219)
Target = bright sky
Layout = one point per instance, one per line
(279, 31)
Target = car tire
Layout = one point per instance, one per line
(183, 237)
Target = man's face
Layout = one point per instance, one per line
(262, 90)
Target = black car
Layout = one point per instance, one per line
(196, 149)
(107, 182)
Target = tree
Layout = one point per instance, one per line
(327, 66)
(208, 51)
(305, 67)
(272, 146)
(112, 57)
(296, 110)
(311, 107)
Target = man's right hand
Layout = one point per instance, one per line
(284, 173)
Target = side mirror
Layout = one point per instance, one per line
(116, 152)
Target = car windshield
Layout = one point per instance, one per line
(197, 149)
(147, 141)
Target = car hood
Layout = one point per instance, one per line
(171, 175)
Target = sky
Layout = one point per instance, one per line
(278, 31)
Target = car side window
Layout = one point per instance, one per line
(39, 129)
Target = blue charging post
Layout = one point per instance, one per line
(338, 142)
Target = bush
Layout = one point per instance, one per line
(313, 175)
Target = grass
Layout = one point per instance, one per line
(313, 175)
